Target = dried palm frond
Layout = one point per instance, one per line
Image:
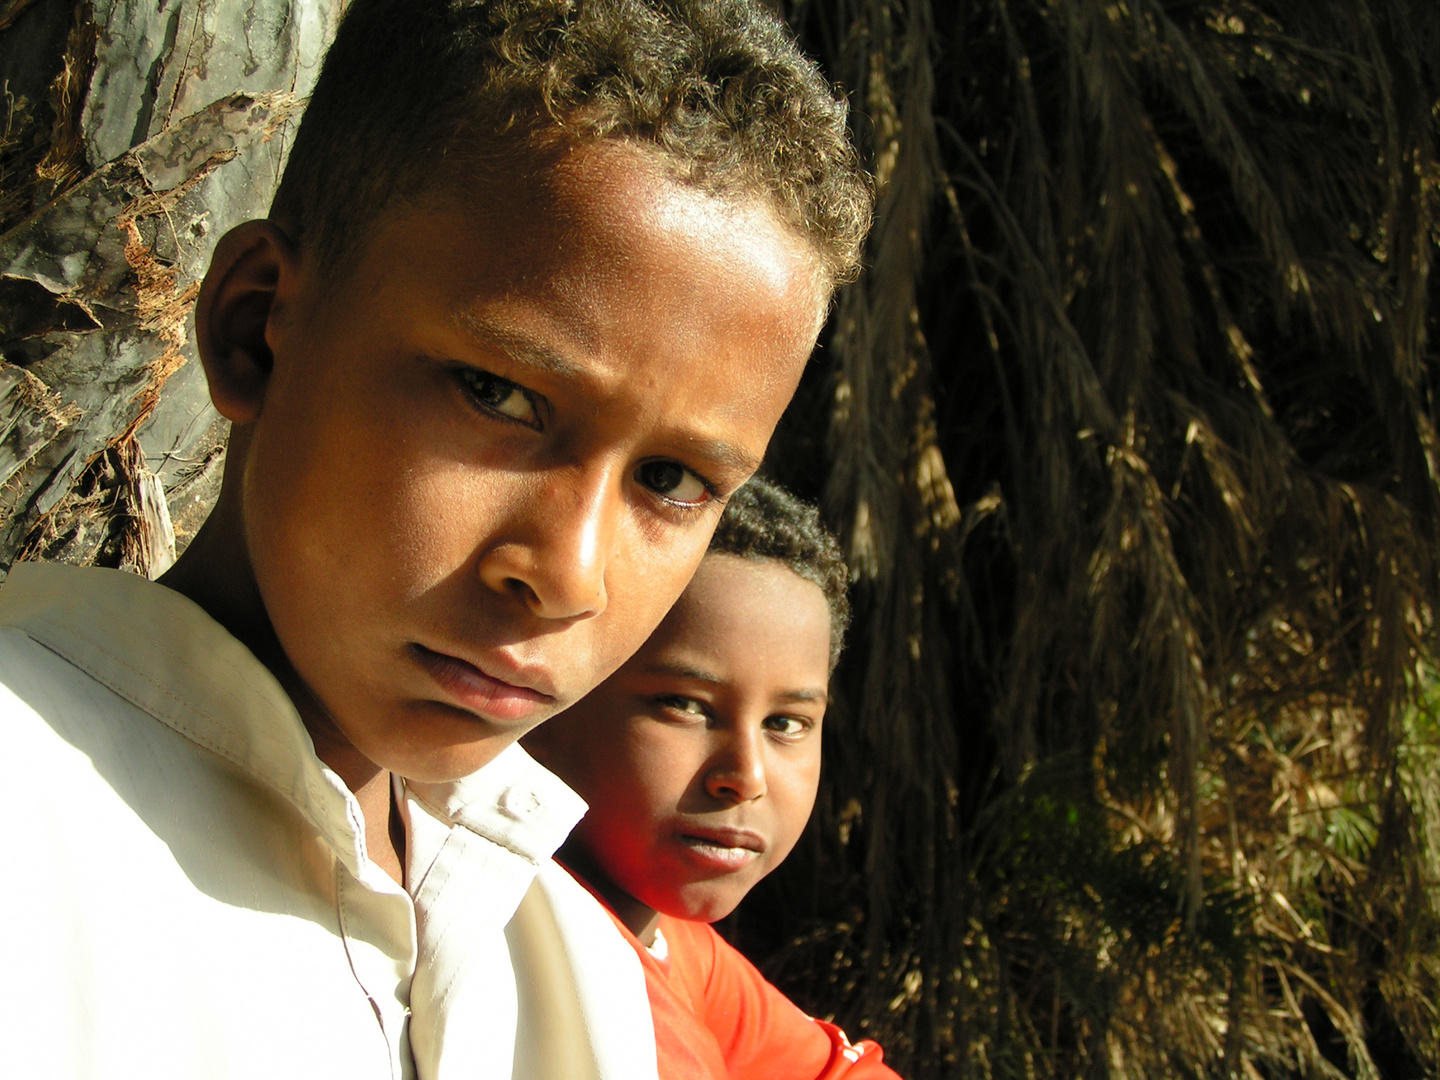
(1131, 439)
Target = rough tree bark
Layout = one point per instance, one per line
(135, 135)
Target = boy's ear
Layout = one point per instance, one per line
(252, 264)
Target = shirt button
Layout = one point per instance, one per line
(520, 802)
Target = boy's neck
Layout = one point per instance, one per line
(640, 920)
(214, 572)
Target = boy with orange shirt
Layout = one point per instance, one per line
(699, 760)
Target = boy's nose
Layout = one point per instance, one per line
(737, 773)
(557, 562)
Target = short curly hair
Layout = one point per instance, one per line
(764, 521)
(412, 89)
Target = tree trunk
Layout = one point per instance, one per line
(137, 134)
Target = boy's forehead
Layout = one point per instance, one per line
(744, 599)
(607, 177)
(600, 207)
(555, 264)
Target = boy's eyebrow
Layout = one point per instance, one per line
(803, 695)
(517, 344)
(727, 454)
(685, 671)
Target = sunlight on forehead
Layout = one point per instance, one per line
(742, 232)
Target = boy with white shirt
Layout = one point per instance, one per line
(540, 278)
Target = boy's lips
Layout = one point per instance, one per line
(722, 848)
(480, 692)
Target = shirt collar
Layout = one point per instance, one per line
(161, 652)
(514, 801)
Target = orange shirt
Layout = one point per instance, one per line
(717, 1018)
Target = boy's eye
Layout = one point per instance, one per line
(500, 396)
(790, 727)
(688, 707)
(673, 481)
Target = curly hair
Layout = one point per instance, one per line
(764, 521)
(412, 89)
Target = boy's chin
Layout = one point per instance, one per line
(704, 905)
(443, 757)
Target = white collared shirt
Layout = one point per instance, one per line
(187, 892)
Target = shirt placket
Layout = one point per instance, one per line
(376, 918)
(378, 929)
